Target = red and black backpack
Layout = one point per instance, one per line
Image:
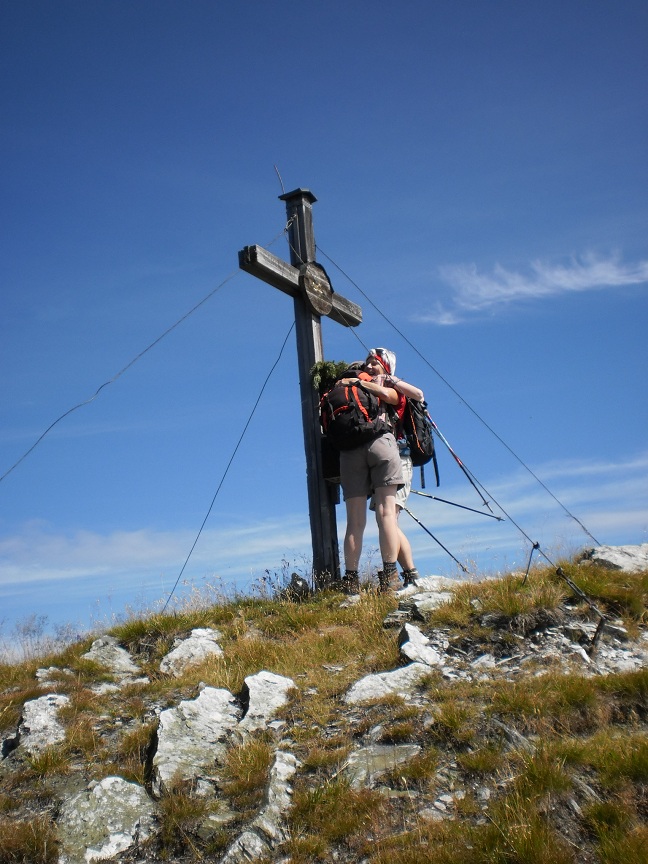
(351, 416)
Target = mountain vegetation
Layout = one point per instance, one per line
(528, 741)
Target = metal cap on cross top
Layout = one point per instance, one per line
(308, 284)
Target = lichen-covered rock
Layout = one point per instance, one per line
(39, 727)
(99, 823)
(193, 736)
(629, 559)
(267, 830)
(414, 646)
(364, 765)
(201, 645)
(265, 693)
(403, 682)
(107, 652)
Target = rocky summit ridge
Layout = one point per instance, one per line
(380, 726)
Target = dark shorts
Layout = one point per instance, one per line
(376, 463)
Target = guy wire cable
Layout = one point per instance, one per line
(436, 540)
(227, 467)
(535, 546)
(459, 396)
(298, 256)
(476, 483)
(455, 504)
(128, 365)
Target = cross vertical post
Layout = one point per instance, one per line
(321, 505)
(313, 295)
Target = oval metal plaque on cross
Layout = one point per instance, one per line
(316, 285)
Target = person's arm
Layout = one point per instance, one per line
(406, 389)
(386, 394)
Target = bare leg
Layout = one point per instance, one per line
(356, 510)
(405, 557)
(387, 524)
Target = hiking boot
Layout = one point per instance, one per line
(410, 577)
(388, 579)
(350, 583)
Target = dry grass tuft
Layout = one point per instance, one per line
(621, 594)
(485, 759)
(329, 814)
(32, 841)
(51, 760)
(417, 773)
(584, 731)
(245, 774)
(180, 815)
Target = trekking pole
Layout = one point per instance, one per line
(436, 540)
(459, 463)
(454, 504)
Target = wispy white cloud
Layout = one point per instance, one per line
(40, 553)
(474, 292)
(42, 566)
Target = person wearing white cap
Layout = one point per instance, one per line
(373, 467)
(381, 365)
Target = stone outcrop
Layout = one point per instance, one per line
(628, 559)
(108, 818)
(264, 693)
(266, 831)
(416, 648)
(200, 646)
(400, 682)
(366, 764)
(107, 652)
(39, 727)
(192, 738)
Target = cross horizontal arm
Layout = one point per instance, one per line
(267, 267)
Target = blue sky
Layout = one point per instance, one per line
(480, 170)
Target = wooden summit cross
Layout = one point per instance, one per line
(313, 295)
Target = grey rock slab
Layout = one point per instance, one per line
(484, 661)
(629, 559)
(415, 646)
(39, 727)
(279, 796)
(201, 645)
(402, 681)
(397, 618)
(431, 815)
(426, 602)
(267, 830)
(265, 694)
(52, 676)
(363, 766)
(97, 824)
(247, 847)
(107, 652)
(429, 584)
(193, 736)
(515, 739)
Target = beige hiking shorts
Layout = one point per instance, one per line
(370, 466)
